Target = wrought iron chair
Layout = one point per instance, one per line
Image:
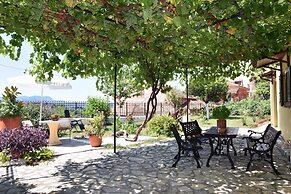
(185, 147)
(77, 123)
(193, 132)
(74, 124)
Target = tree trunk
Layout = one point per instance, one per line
(151, 104)
(207, 110)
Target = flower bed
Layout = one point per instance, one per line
(18, 143)
(262, 121)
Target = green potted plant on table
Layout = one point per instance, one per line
(221, 113)
(10, 109)
(95, 130)
(55, 117)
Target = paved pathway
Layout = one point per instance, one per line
(146, 169)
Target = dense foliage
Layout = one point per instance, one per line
(160, 38)
(17, 142)
(257, 105)
(252, 106)
(38, 155)
(127, 84)
(9, 106)
(96, 126)
(160, 126)
(208, 90)
(86, 37)
(31, 112)
(175, 97)
(220, 112)
(95, 106)
(128, 125)
(263, 89)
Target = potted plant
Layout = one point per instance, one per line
(95, 130)
(221, 113)
(55, 117)
(10, 109)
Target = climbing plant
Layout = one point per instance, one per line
(161, 37)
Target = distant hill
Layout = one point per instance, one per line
(34, 98)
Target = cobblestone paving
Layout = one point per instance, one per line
(146, 169)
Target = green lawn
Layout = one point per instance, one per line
(231, 122)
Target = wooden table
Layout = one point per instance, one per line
(221, 140)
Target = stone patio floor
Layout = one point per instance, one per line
(78, 168)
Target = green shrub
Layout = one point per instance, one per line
(4, 157)
(38, 155)
(160, 126)
(128, 125)
(95, 106)
(31, 112)
(250, 107)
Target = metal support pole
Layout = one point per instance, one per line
(114, 118)
(187, 94)
(41, 102)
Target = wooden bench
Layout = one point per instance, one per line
(262, 145)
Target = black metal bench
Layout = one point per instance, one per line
(262, 146)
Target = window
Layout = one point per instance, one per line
(285, 88)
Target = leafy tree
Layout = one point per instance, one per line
(175, 97)
(127, 84)
(209, 91)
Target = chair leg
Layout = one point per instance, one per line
(197, 157)
(178, 156)
(245, 151)
(251, 158)
(273, 166)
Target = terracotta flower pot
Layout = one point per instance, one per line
(95, 140)
(221, 125)
(10, 123)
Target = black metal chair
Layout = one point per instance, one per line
(74, 123)
(67, 113)
(185, 147)
(77, 123)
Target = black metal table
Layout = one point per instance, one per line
(221, 140)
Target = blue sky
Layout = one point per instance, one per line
(81, 88)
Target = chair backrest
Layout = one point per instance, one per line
(191, 128)
(81, 125)
(74, 123)
(176, 135)
(271, 136)
(267, 129)
(67, 113)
